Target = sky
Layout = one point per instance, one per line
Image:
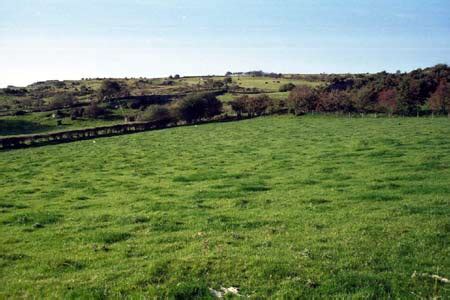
(72, 39)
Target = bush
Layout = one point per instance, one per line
(194, 107)
(238, 105)
(302, 99)
(334, 101)
(277, 107)
(287, 87)
(111, 89)
(62, 100)
(228, 80)
(159, 114)
(257, 105)
(76, 113)
(251, 105)
(20, 113)
(213, 106)
(94, 111)
(168, 82)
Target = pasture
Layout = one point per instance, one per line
(271, 84)
(280, 206)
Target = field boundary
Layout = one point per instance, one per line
(35, 140)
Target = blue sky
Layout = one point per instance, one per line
(68, 39)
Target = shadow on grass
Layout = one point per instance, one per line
(14, 127)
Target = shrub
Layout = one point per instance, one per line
(287, 87)
(11, 90)
(258, 105)
(62, 100)
(334, 101)
(228, 80)
(19, 113)
(168, 82)
(213, 106)
(302, 99)
(111, 89)
(238, 105)
(76, 113)
(251, 105)
(94, 111)
(159, 114)
(277, 107)
(197, 106)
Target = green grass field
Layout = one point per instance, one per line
(270, 84)
(277, 206)
(263, 83)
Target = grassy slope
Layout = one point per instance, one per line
(42, 122)
(270, 84)
(277, 206)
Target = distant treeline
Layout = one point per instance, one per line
(422, 91)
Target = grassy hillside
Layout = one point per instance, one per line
(277, 206)
(270, 84)
(38, 120)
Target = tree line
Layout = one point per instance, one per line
(190, 109)
(416, 93)
(421, 91)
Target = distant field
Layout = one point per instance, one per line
(277, 206)
(270, 84)
(264, 83)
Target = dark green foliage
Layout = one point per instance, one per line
(197, 106)
(189, 290)
(158, 114)
(11, 127)
(191, 108)
(228, 80)
(111, 89)
(77, 113)
(94, 110)
(287, 87)
(62, 100)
